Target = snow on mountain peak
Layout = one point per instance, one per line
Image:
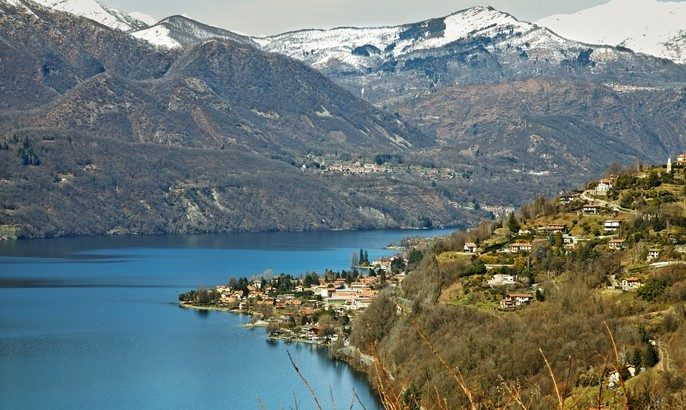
(93, 10)
(145, 18)
(355, 46)
(652, 27)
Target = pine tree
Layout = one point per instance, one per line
(651, 357)
(512, 223)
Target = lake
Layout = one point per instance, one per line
(94, 322)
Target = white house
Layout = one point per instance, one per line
(631, 283)
(617, 244)
(470, 247)
(514, 300)
(567, 197)
(611, 225)
(569, 239)
(591, 209)
(603, 186)
(500, 279)
(653, 254)
(520, 247)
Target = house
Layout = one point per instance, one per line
(514, 300)
(554, 228)
(382, 263)
(591, 209)
(603, 186)
(568, 197)
(631, 283)
(470, 247)
(611, 225)
(614, 378)
(569, 239)
(500, 279)
(520, 247)
(653, 254)
(617, 244)
(681, 159)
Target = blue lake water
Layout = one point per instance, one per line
(93, 323)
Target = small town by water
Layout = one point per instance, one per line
(310, 308)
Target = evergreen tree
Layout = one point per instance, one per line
(512, 223)
(651, 357)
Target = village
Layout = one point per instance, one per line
(309, 309)
(619, 214)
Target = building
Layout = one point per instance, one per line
(520, 247)
(631, 284)
(617, 244)
(604, 185)
(591, 209)
(568, 197)
(470, 247)
(611, 225)
(555, 228)
(515, 300)
(681, 159)
(500, 279)
(569, 239)
(653, 254)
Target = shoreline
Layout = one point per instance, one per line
(23, 238)
(259, 323)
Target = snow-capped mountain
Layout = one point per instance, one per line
(93, 10)
(652, 27)
(176, 31)
(389, 65)
(362, 48)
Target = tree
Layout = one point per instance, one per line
(397, 265)
(512, 223)
(652, 289)
(354, 261)
(651, 357)
(414, 256)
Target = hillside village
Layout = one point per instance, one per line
(630, 215)
(602, 268)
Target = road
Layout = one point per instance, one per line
(585, 196)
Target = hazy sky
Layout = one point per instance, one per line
(276, 16)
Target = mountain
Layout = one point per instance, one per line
(461, 115)
(514, 103)
(653, 27)
(95, 11)
(103, 133)
(479, 45)
(176, 31)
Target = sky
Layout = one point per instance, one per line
(265, 17)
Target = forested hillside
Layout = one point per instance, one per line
(576, 301)
(104, 134)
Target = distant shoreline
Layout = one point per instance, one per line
(8, 238)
